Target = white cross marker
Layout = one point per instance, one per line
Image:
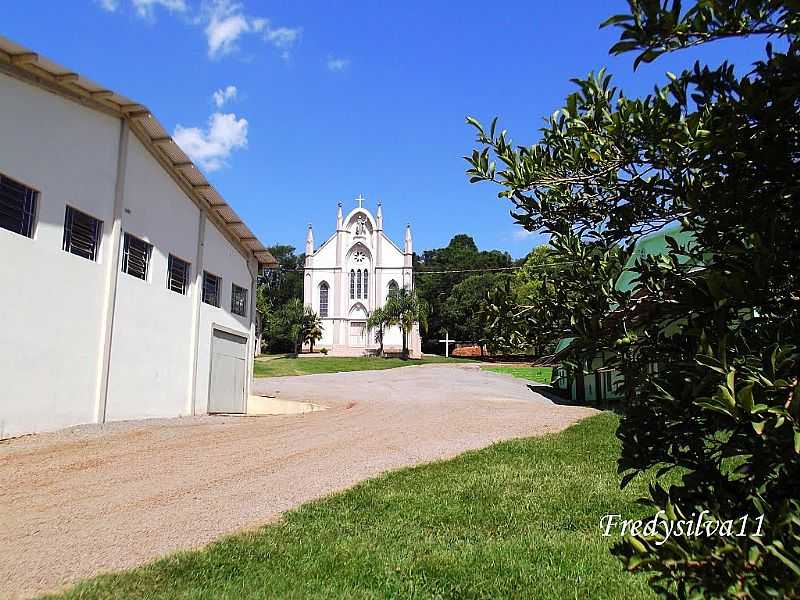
(447, 341)
(360, 199)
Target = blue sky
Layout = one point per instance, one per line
(336, 99)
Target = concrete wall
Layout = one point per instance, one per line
(151, 347)
(53, 303)
(223, 260)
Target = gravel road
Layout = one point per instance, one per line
(93, 498)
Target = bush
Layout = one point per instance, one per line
(708, 340)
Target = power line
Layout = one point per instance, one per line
(489, 269)
(456, 271)
(417, 272)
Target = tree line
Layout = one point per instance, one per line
(454, 302)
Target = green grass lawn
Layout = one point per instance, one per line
(519, 519)
(272, 366)
(538, 374)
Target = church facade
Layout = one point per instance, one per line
(350, 275)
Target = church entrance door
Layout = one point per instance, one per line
(358, 333)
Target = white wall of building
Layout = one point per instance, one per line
(152, 343)
(52, 303)
(223, 260)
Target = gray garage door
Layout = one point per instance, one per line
(228, 373)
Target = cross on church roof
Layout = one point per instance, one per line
(360, 199)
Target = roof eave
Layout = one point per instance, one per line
(20, 62)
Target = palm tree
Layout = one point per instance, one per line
(377, 321)
(404, 308)
(312, 327)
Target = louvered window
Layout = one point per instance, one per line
(136, 257)
(17, 206)
(352, 284)
(366, 284)
(238, 300)
(177, 275)
(82, 234)
(211, 285)
(358, 283)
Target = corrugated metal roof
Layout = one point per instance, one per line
(651, 245)
(36, 69)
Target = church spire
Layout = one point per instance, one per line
(379, 217)
(339, 218)
(310, 241)
(407, 248)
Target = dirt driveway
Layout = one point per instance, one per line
(97, 498)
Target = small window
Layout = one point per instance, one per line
(211, 285)
(177, 275)
(393, 288)
(358, 285)
(136, 257)
(323, 299)
(82, 234)
(352, 284)
(609, 381)
(239, 300)
(17, 206)
(366, 283)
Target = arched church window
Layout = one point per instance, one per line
(393, 287)
(323, 300)
(358, 285)
(352, 284)
(366, 284)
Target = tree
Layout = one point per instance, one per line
(529, 280)
(276, 288)
(404, 308)
(377, 321)
(514, 314)
(707, 341)
(292, 319)
(460, 255)
(312, 327)
(285, 281)
(463, 310)
(262, 310)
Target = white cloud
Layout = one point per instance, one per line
(522, 234)
(221, 96)
(338, 64)
(145, 8)
(109, 5)
(282, 38)
(211, 147)
(226, 23)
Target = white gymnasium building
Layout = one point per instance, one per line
(127, 281)
(350, 275)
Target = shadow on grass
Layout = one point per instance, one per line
(556, 398)
(552, 395)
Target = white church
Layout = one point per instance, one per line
(350, 275)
